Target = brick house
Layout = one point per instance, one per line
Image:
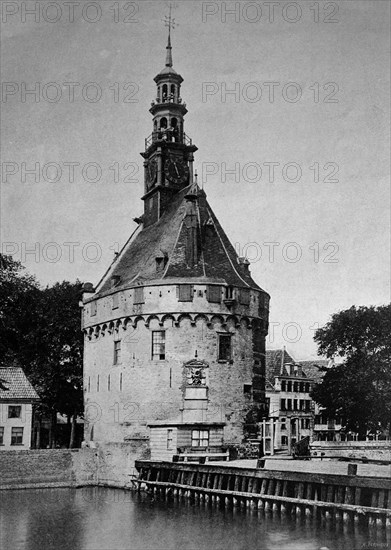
(292, 412)
(291, 409)
(175, 330)
(17, 397)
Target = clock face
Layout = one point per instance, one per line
(176, 170)
(152, 171)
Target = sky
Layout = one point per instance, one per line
(290, 113)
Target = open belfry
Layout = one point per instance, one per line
(175, 330)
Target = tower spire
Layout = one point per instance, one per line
(170, 23)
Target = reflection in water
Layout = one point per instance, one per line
(113, 519)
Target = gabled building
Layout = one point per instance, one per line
(17, 397)
(291, 409)
(175, 330)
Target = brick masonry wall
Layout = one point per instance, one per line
(105, 465)
(140, 390)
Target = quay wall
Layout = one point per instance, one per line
(111, 465)
(373, 450)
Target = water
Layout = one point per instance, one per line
(113, 519)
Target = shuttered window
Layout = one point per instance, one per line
(244, 296)
(214, 294)
(185, 293)
(138, 295)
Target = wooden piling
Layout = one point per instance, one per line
(335, 495)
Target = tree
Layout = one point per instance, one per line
(40, 331)
(358, 389)
(55, 345)
(18, 296)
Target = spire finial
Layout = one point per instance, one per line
(170, 23)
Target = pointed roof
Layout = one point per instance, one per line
(168, 70)
(14, 385)
(217, 261)
(276, 359)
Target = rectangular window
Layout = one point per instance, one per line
(117, 352)
(229, 293)
(200, 438)
(244, 296)
(169, 439)
(158, 345)
(93, 308)
(114, 303)
(283, 385)
(1, 435)
(284, 440)
(214, 294)
(14, 411)
(248, 389)
(185, 293)
(138, 295)
(17, 436)
(224, 347)
(283, 406)
(283, 424)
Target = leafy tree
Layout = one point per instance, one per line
(18, 296)
(56, 343)
(358, 389)
(40, 331)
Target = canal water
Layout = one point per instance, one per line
(114, 519)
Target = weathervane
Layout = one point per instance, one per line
(168, 20)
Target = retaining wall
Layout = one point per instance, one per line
(110, 464)
(375, 450)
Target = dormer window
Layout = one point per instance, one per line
(161, 262)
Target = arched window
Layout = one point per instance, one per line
(174, 122)
(173, 92)
(163, 122)
(165, 91)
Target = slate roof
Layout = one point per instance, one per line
(217, 261)
(273, 363)
(15, 386)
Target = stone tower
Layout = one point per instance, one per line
(175, 330)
